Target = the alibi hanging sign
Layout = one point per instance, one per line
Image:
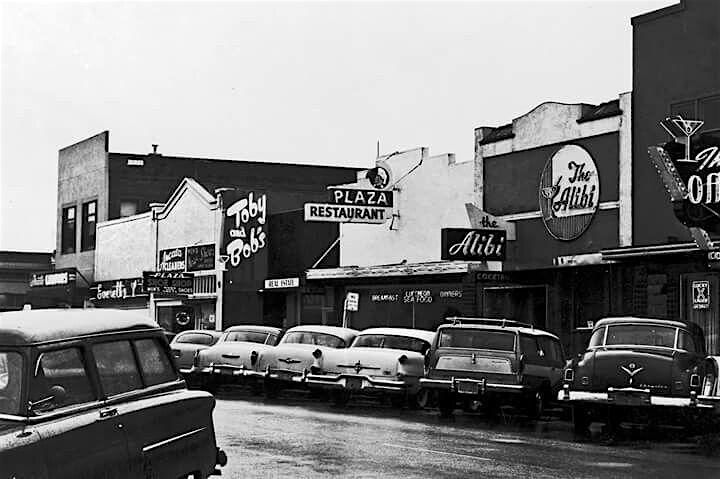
(690, 171)
(569, 192)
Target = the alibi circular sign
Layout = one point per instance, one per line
(569, 192)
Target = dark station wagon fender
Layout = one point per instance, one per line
(95, 393)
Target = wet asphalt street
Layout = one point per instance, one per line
(295, 436)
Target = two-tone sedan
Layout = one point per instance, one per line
(235, 354)
(301, 351)
(186, 344)
(381, 361)
(633, 369)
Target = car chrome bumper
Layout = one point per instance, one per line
(357, 382)
(629, 397)
(472, 386)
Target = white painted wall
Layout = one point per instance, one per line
(124, 248)
(430, 198)
(188, 221)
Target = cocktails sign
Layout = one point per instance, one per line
(569, 192)
(690, 171)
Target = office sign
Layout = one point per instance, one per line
(346, 213)
(168, 283)
(473, 244)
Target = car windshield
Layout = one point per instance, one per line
(196, 338)
(477, 339)
(246, 336)
(640, 334)
(311, 337)
(11, 380)
(391, 342)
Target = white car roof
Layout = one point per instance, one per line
(410, 333)
(343, 333)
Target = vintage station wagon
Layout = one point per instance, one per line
(381, 361)
(634, 364)
(495, 362)
(95, 393)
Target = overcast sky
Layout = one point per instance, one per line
(298, 82)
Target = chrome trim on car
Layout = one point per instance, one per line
(450, 384)
(567, 395)
(340, 381)
(164, 442)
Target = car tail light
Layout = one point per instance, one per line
(253, 357)
(521, 364)
(569, 374)
(317, 354)
(402, 359)
(694, 381)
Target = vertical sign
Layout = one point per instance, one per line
(245, 231)
(701, 294)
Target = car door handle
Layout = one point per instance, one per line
(106, 413)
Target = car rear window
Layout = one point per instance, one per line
(387, 341)
(154, 362)
(318, 339)
(246, 336)
(11, 381)
(196, 338)
(477, 339)
(641, 335)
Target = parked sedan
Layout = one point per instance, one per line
(185, 344)
(635, 368)
(300, 352)
(95, 393)
(233, 356)
(496, 362)
(382, 361)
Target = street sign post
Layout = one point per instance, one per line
(351, 304)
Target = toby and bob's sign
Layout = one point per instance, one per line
(569, 192)
(245, 230)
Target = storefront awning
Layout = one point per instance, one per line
(641, 251)
(407, 269)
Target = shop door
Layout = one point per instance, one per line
(521, 303)
(701, 307)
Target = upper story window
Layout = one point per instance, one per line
(68, 230)
(89, 218)
(128, 208)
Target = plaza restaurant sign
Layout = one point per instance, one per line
(351, 205)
